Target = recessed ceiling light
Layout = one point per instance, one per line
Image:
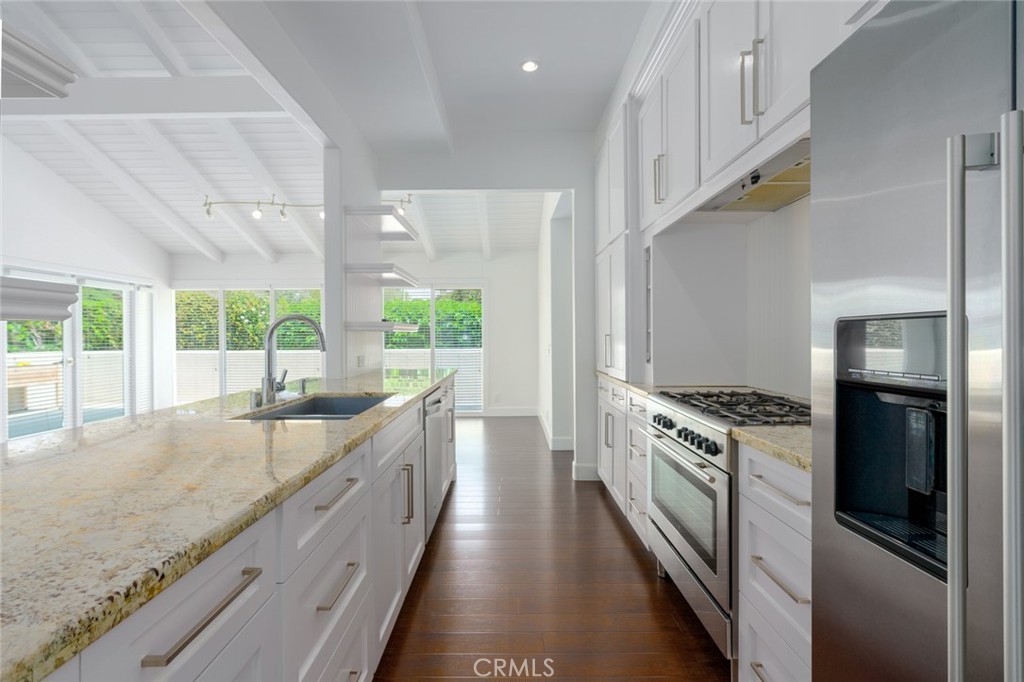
(529, 66)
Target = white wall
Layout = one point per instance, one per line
(47, 224)
(509, 282)
(779, 300)
(550, 161)
(554, 302)
(237, 271)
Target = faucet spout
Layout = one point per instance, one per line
(270, 384)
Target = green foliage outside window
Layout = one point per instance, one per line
(195, 324)
(102, 326)
(247, 316)
(34, 336)
(459, 320)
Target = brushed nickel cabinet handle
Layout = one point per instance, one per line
(657, 179)
(250, 575)
(636, 509)
(756, 74)
(782, 493)
(743, 88)
(334, 500)
(407, 511)
(412, 492)
(353, 673)
(759, 562)
(353, 566)
(758, 668)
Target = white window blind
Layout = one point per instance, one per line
(407, 355)
(458, 343)
(298, 350)
(143, 327)
(103, 360)
(35, 376)
(197, 346)
(246, 318)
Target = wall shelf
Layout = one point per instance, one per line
(388, 274)
(381, 327)
(386, 219)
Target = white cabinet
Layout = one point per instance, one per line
(254, 655)
(728, 125)
(610, 276)
(611, 462)
(69, 672)
(668, 131)
(774, 566)
(610, 186)
(352, 659)
(180, 632)
(399, 533)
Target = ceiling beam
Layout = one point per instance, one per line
(419, 221)
(485, 226)
(55, 36)
(151, 97)
(117, 175)
(169, 153)
(422, 47)
(266, 181)
(155, 37)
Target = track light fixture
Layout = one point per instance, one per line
(257, 212)
(402, 203)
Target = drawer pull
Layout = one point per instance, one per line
(334, 500)
(353, 566)
(781, 492)
(759, 562)
(639, 452)
(353, 673)
(758, 668)
(154, 661)
(636, 509)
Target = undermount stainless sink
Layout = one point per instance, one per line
(322, 407)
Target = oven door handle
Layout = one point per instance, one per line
(697, 468)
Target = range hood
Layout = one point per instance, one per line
(774, 184)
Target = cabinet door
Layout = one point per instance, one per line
(681, 93)
(619, 459)
(650, 133)
(387, 549)
(605, 445)
(796, 36)
(727, 130)
(415, 529)
(601, 208)
(69, 672)
(603, 278)
(616, 179)
(254, 655)
(617, 307)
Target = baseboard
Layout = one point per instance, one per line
(556, 443)
(584, 472)
(510, 412)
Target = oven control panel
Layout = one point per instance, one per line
(687, 431)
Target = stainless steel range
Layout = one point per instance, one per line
(693, 498)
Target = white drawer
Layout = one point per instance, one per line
(783, 490)
(617, 396)
(764, 657)
(636, 449)
(604, 389)
(636, 404)
(310, 514)
(395, 437)
(323, 593)
(350, 660)
(775, 575)
(69, 672)
(636, 505)
(154, 629)
(254, 655)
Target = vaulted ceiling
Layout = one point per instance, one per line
(163, 116)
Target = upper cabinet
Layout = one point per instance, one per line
(757, 60)
(668, 131)
(610, 186)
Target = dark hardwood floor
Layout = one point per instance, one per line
(528, 568)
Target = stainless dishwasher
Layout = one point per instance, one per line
(434, 409)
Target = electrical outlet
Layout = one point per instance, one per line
(360, 360)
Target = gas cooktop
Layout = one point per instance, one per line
(742, 407)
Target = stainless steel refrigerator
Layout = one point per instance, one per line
(916, 346)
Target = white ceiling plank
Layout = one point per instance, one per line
(419, 220)
(422, 47)
(155, 38)
(485, 225)
(232, 217)
(264, 178)
(59, 39)
(152, 97)
(129, 185)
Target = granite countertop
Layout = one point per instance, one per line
(642, 389)
(790, 444)
(98, 520)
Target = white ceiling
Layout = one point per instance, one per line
(156, 123)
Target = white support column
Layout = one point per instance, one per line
(333, 307)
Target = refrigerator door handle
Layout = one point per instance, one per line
(1012, 179)
(956, 439)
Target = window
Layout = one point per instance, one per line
(220, 334)
(450, 338)
(103, 357)
(35, 376)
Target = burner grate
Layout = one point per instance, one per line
(744, 408)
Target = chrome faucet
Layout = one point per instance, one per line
(271, 385)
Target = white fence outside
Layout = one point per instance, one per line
(197, 372)
(414, 364)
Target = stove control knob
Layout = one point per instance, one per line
(656, 419)
(712, 448)
(679, 433)
(694, 438)
(701, 442)
(668, 423)
(684, 433)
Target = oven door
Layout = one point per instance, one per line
(690, 505)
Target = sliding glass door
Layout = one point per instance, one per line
(450, 338)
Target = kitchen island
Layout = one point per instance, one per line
(97, 521)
